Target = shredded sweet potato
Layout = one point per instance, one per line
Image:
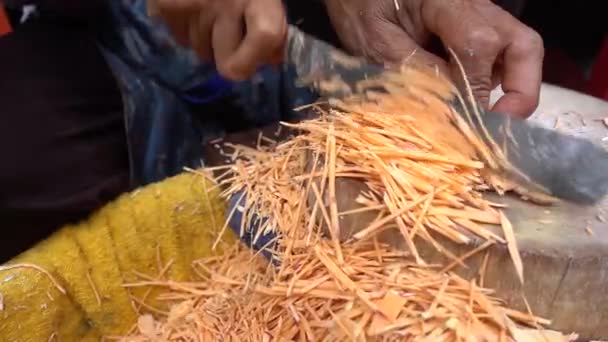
(424, 169)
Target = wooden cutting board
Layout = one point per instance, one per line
(564, 247)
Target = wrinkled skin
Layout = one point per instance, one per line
(493, 46)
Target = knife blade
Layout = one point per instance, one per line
(563, 166)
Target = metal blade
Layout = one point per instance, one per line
(566, 167)
(318, 64)
(570, 168)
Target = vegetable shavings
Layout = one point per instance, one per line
(415, 296)
(512, 246)
(422, 167)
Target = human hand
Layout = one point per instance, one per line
(236, 35)
(493, 46)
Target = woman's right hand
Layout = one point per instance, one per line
(236, 35)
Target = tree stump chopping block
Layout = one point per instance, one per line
(565, 256)
(564, 247)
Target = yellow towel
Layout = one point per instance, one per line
(165, 225)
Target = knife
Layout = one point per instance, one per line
(565, 167)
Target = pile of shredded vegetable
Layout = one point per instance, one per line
(377, 294)
(423, 171)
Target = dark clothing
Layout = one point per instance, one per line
(62, 137)
(94, 108)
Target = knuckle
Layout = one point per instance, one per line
(480, 83)
(481, 87)
(530, 42)
(369, 17)
(484, 37)
(269, 31)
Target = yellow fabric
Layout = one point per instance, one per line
(175, 221)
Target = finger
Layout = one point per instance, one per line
(266, 26)
(201, 34)
(523, 59)
(227, 37)
(477, 50)
(478, 70)
(175, 14)
(474, 41)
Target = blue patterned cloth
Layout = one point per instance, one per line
(264, 243)
(166, 91)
